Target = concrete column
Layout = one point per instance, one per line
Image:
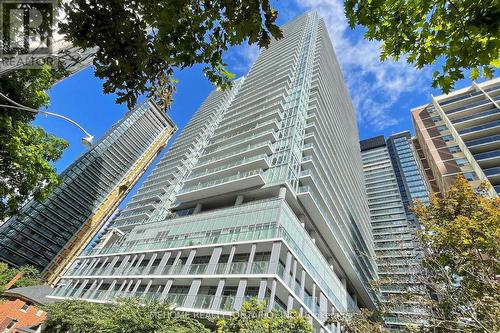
(218, 295)
(129, 266)
(112, 265)
(94, 292)
(165, 291)
(148, 286)
(302, 284)
(198, 208)
(330, 262)
(110, 289)
(177, 259)
(80, 289)
(102, 268)
(262, 290)
(123, 264)
(162, 264)
(193, 291)
(239, 200)
(274, 258)
(344, 282)
(91, 289)
(128, 288)
(214, 259)
(355, 298)
(312, 234)
(288, 266)
(91, 266)
(323, 307)
(302, 219)
(124, 283)
(240, 293)
(138, 264)
(282, 193)
(137, 284)
(251, 258)
(294, 274)
(314, 297)
(273, 294)
(289, 303)
(189, 260)
(230, 260)
(150, 263)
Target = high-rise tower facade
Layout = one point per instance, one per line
(261, 196)
(459, 133)
(413, 185)
(395, 245)
(47, 234)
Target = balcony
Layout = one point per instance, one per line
(484, 144)
(242, 153)
(236, 182)
(476, 132)
(488, 159)
(477, 118)
(250, 163)
(268, 126)
(243, 141)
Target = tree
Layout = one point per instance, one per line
(26, 151)
(128, 315)
(357, 322)
(141, 42)
(29, 276)
(253, 318)
(464, 34)
(461, 233)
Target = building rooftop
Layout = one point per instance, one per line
(375, 142)
(35, 294)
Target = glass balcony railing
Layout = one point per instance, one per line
(481, 127)
(477, 142)
(494, 110)
(197, 268)
(228, 166)
(231, 153)
(468, 106)
(227, 303)
(203, 301)
(234, 143)
(260, 267)
(176, 299)
(491, 154)
(239, 175)
(238, 268)
(257, 126)
(492, 171)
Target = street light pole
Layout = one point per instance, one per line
(87, 140)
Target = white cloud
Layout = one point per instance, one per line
(242, 58)
(375, 86)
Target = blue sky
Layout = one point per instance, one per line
(383, 93)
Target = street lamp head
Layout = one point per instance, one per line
(87, 141)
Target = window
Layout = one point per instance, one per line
(25, 307)
(441, 128)
(10, 325)
(453, 149)
(447, 138)
(470, 176)
(462, 161)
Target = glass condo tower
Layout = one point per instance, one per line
(262, 195)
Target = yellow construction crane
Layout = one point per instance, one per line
(88, 230)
